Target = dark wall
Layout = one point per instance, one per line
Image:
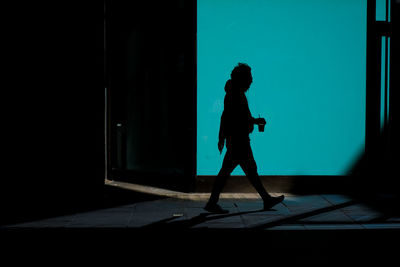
(152, 88)
(52, 109)
(377, 171)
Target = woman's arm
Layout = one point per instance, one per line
(222, 128)
(258, 121)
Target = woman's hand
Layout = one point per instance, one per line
(259, 121)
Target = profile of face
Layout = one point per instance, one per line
(242, 77)
(247, 82)
(244, 81)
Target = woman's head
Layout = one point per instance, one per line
(241, 76)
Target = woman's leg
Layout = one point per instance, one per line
(228, 165)
(249, 166)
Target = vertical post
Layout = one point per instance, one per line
(106, 161)
(386, 69)
(373, 74)
(107, 92)
(394, 82)
(394, 97)
(193, 81)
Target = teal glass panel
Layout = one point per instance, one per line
(380, 10)
(308, 60)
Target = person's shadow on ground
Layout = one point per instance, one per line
(196, 220)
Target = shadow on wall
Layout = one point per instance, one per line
(374, 177)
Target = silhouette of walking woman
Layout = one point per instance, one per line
(235, 127)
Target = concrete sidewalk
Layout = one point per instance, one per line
(175, 210)
(140, 224)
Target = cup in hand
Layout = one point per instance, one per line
(261, 127)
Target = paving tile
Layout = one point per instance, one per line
(393, 219)
(305, 203)
(142, 219)
(101, 219)
(333, 226)
(249, 205)
(306, 200)
(258, 205)
(153, 215)
(215, 224)
(382, 225)
(336, 199)
(362, 217)
(195, 204)
(57, 222)
(138, 223)
(231, 216)
(282, 209)
(333, 216)
(253, 220)
(361, 212)
(302, 209)
(173, 206)
(231, 220)
(358, 208)
(191, 214)
(288, 227)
